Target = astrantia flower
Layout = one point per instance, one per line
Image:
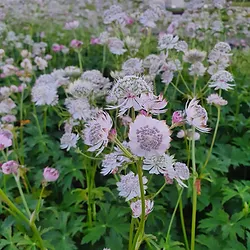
(220, 80)
(97, 131)
(80, 88)
(194, 56)
(132, 66)
(136, 208)
(179, 171)
(113, 161)
(153, 104)
(148, 136)
(6, 106)
(129, 186)
(5, 141)
(116, 46)
(216, 100)
(112, 14)
(158, 164)
(10, 167)
(126, 91)
(79, 108)
(72, 71)
(44, 92)
(167, 41)
(71, 25)
(196, 115)
(50, 174)
(69, 140)
(8, 118)
(197, 69)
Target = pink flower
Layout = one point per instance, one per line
(76, 44)
(95, 40)
(50, 174)
(196, 115)
(178, 117)
(96, 133)
(10, 167)
(136, 207)
(153, 104)
(5, 142)
(56, 47)
(149, 136)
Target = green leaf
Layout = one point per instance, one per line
(94, 234)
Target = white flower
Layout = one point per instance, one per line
(197, 69)
(194, 56)
(181, 46)
(112, 162)
(148, 136)
(41, 63)
(126, 91)
(153, 104)
(216, 100)
(136, 207)
(167, 41)
(116, 46)
(71, 25)
(69, 140)
(112, 14)
(148, 18)
(79, 108)
(80, 88)
(44, 92)
(132, 66)
(196, 115)
(129, 186)
(220, 80)
(179, 171)
(158, 164)
(96, 132)
(167, 76)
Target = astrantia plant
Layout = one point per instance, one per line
(110, 119)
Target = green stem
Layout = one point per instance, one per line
(123, 149)
(178, 89)
(80, 59)
(194, 203)
(104, 57)
(21, 129)
(131, 230)
(45, 119)
(213, 140)
(33, 227)
(22, 195)
(162, 187)
(183, 224)
(140, 232)
(173, 215)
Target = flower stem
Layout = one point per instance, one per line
(131, 230)
(22, 195)
(80, 60)
(183, 224)
(194, 194)
(173, 215)
(140, 232)
(162, 187)
(213, 140)
(13, 208)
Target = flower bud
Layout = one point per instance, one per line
(50, 174)
(10, 167)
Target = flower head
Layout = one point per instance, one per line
(148, 136)
(179, 171)
(129, 186)
(220, 80)
(5, 142)
(126, 91)
(194, 56)
(216, 100)
(97, 131)
(196, 115)
(69, 140)
(167, 41)
(153, 104)
(178, 117)
(10, 167)
(136, 207)
(50, 174)
(158, 164)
